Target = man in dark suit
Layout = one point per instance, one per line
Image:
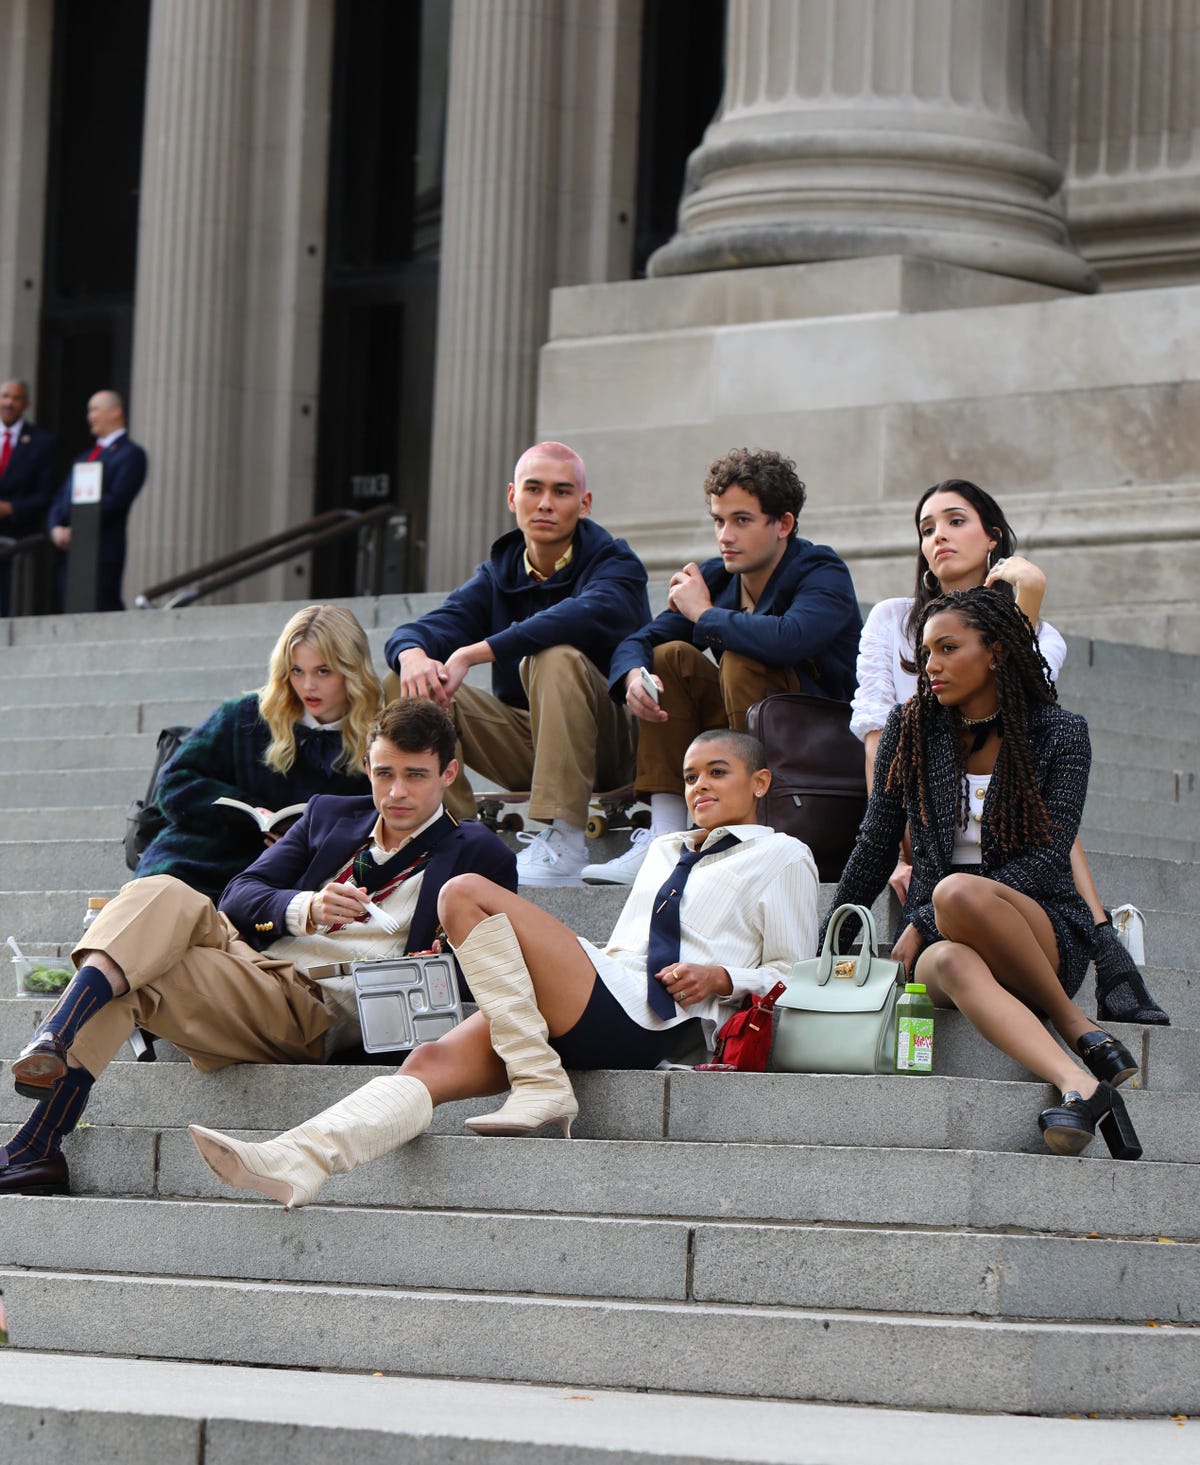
(233, 985)
(124, 472)
(26, 474)
(777, 614)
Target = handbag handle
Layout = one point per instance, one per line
(828, 957)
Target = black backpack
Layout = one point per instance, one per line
(143, 820)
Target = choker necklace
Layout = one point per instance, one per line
(982, 727)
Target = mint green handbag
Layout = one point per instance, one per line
(838, 1014)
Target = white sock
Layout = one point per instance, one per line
(572, 836)
(668, 814)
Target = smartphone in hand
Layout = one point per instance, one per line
(649, 685)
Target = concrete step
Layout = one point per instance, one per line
(1119, 661)
(1145, 749)
(73, 787)
(157, 653)
(94, 754)
(980, 1274)
(1118, 842)
(932, 1113)
(1150, 884)
(71, 862)
(1105, 812)
(1169, 1058)
(1178, 724)
(780, 1352)
(77, 718)
(1129, 779)
(206, 621)
(1100, 687)
(210, 682)
(59, 825)
(150, 1412)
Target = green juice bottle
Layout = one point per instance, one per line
(914, 1030)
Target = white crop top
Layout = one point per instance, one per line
(968, 842)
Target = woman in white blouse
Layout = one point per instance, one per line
(965, 540)
(742, 902)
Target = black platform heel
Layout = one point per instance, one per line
(1069, 1127)
(1119, 1133)
(1107, 1057)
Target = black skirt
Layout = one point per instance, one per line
(607, 1037)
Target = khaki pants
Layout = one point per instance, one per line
(698, 695)
(574, 738)
(194, 982)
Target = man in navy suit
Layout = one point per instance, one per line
(777, 613)
(250, 982)
(124, 472)
(26, 474)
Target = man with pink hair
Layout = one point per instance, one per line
(547, 608)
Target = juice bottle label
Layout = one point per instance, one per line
(914, 1044)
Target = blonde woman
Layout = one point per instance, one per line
(303, 733)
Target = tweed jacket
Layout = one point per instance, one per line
(1062, 755)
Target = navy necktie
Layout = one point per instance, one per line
(664, 924)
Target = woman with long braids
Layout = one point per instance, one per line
(303, 733)
(964, 539)
(990, 775)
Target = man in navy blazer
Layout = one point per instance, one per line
(124, 472)
(259, 980)
(777, 613)
(26, 474)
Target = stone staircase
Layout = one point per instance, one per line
(893, 1242)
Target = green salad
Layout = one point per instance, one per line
(46, 978)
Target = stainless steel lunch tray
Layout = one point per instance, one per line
(406, 1000)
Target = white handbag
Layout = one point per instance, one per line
(838, 1014)
(1130, 926)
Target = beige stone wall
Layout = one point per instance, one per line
(1079, 413)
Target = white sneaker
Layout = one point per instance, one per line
(547, 860)
(623, 870)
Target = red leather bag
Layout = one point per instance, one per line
(744, 1040)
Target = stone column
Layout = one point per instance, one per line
(1126, 122)
(26, 27)
(905, 127)
(497, 267)
(191, 284)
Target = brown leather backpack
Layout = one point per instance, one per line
(818, 787)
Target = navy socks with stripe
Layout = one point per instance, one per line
(88, 992)
(42, 1133)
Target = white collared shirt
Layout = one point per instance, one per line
(751, 909)
(109, 438)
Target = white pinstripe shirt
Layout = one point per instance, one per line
(751, 909)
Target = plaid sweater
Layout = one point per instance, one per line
(206, 845)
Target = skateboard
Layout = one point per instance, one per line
(609, 806)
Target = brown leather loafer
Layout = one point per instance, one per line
(39, 1066)
(37, 1177)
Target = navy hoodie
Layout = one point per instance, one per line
(593, 603)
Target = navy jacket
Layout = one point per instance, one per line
(316, 847)
(124, 464)
(806, 618)
(591, 604)
(28, 482)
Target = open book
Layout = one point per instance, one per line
(266, 822)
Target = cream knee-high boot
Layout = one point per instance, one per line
(495, 969)
(381, 1116)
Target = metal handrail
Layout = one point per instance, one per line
(230, 569)
(11, 548)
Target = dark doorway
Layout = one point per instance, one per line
(379, 334)
(683, 73)
(97, 99)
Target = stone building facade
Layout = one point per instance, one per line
(924, 238)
